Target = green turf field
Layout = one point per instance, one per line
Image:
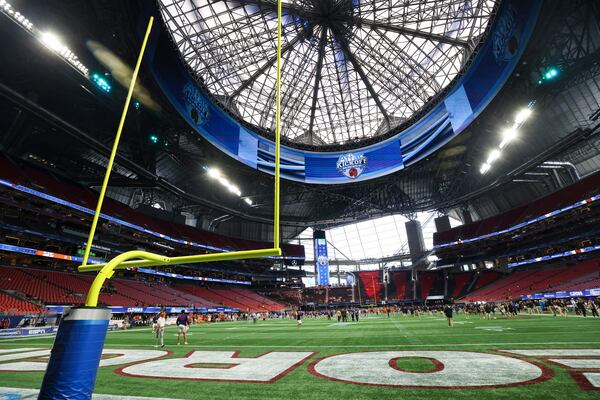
(326, 338)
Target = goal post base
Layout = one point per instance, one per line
(76, 353)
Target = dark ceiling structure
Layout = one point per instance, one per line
(56, 119)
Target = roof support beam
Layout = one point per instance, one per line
(344, 45)
(412, 32)
(313, 108)
(267, 65)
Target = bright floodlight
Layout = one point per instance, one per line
(214, 173)
(234, 189)
(523, 115)
(485, 168)
(508, 135)
(52, 41)
(494, 155)
(248, 201)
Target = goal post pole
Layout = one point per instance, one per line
(115, 147)
(276, 210)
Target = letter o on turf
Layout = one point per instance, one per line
(454, 369)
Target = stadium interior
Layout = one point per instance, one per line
(439, 204)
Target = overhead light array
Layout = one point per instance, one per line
(509, 134)
(48, 39)
(16, 16)
(216, 175)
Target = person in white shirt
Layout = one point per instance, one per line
(160, 329)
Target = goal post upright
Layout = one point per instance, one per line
(115, 147)
(71, 372)
(147, 259)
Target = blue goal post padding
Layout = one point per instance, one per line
(76, 353)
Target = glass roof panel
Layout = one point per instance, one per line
(371, 239)
(351, 69)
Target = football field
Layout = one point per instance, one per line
(533, 357)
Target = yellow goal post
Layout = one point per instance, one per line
(139, 258)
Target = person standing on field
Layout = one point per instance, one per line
(159, 329)
(183, 322)
(448, 312)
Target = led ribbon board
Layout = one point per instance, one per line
(554, 256)
(472, 93)
(561, 295)
(153, 310)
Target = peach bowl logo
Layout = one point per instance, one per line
(352, 165)
(195, 104)
(322, 260)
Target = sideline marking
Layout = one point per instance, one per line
(225, 346)
(494, 328)
(342, 324)
(26, 394)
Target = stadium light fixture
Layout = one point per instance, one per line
(55, 44)
(48, 39)
(248, 201)
(523, 115)
(7, 8)
(233, 189)
(52, 42)
(216, 174)
(485, 168)
(508, 135)
(494, 155)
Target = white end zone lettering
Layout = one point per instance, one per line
(267, 368)
(454, 370)
(583, 364)
(119, 357)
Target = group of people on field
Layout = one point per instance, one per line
(159, 323)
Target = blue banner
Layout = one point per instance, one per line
(151, 310)
(321, 258)
(489, 70)
(16, 332)
(563, 294)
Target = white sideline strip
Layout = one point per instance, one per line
(577, 364)
(556, 352)
(2, 351)
(555, 316)
(193, 346)
(33, 393)
(29, 337)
